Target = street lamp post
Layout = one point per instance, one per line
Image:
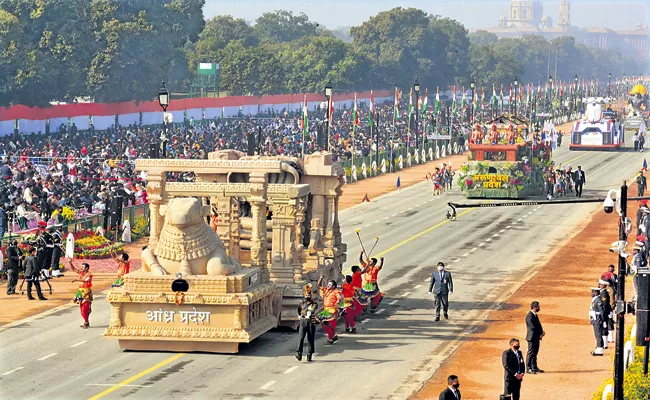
(609, 85)
(550, 94)
(472, 85)
(163, 100)
(328, 94)
(416, 89)
(575, 94)
(516, 86)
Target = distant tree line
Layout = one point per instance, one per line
(121, 50)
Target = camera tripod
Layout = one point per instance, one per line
(41, 274)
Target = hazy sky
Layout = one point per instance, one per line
(613, 14)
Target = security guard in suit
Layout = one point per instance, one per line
(597, 316)
(307, 311)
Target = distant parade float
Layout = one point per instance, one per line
(597, 129)
(637, 111)
(502, 164)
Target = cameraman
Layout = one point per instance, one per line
(13, 266)
(33, 274)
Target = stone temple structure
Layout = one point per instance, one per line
(277, 228)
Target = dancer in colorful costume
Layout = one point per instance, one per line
(332, 299)
(360, 302)
(349, 311)
(123, 268)
(370, 288)
(84, 296)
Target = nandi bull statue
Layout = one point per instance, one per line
(187, 244)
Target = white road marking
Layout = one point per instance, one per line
(381, 310)
(509, 226)
(385, 218)
(524, 216)
(520, 219)
(409, 209)
(267, 385)
(392, 303)
(465, 255)
(503, 230)
(365, 320)
(394, 215)
(481, 244)
(47, 356)
(365, 226)
(529, 213)
(12, 371)
(495, 235)
(290, 370)
(473, 250)
(406, 294)
(79, 344)
(488, 239)
(417, 286)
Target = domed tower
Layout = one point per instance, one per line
(525, 14)
(564, 15)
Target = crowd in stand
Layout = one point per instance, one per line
(82, 170)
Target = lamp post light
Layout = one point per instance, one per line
(516, 86)
(609, 84)
(163, 100)
(416, 88)
(550, 94)
(328, 94)
(472, 86)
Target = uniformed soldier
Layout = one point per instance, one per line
(607, 292)
(56, 250)
(597, 319)
(307, 313)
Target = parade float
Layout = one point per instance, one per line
(502, 163)
(273, 228)
(636, 109)
(597, 129)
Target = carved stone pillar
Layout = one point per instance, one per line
(284, 220)
(298, 244)
(336, 226)
(224, 211)
(156, 194)
(234, 228)
(329, 223)
(258, 185)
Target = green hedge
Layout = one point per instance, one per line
(637, 386)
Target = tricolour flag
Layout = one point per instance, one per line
(462, 101)
(410, 105)
(425, 103)
(494, 96)
(371, 111)
(305, 119)
(396, 106)
(355, 113)
(645, 165)
(453, 101)
(436, 108)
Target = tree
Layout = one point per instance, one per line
(217, 34)
(284, 26)
(402, 44)
(483, 38)
(250, 70)
(456, 48)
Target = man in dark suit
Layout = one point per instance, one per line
(13, 261)
(33, 274)
(452, 392)
(514, 367)
(441, 285)
(533, 336)
(579, 179)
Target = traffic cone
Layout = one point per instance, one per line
(366, 199)
(398, 184)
